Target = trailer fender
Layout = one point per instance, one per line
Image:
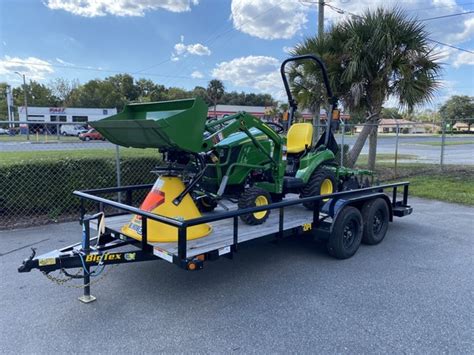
(334, 206)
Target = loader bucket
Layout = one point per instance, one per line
(176, 124)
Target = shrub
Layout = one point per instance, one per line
(45, 187)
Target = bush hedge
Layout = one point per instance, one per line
(45, 187)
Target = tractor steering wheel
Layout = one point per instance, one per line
(278, 128)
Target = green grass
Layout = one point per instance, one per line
(384, 158)
(454, 183)
(444, 187)
(39, 139)
(8, 158)
(438, 144)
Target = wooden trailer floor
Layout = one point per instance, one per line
(222, 230)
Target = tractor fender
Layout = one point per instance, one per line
(334, 206)
(311, 162)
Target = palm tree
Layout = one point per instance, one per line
(379, 55)
(215, 91)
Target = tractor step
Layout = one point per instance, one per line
(292, 183)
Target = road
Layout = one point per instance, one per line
(410, 294)
(412, 145)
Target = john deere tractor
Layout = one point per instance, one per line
(239, 157)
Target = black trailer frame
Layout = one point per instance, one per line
(96, 252)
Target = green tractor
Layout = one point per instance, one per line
(239, 157)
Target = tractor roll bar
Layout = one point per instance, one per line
(291, 101)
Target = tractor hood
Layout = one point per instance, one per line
(178, 124)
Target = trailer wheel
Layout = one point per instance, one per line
(375, 215)
(321, 182)
(205, 204)
(347, 233)
(253, 197)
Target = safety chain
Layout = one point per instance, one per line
(62, 281)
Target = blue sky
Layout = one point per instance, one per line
(186, 43)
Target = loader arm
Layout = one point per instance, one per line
(242, 122)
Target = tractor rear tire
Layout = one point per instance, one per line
(322, 181)
(253, 197)
(205, 204)
(375, 214)
(346, 235)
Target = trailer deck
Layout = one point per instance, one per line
(221, 236)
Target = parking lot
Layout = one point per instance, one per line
(411, 294)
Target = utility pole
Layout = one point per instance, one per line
(26, 104)
(316, 117)
(320, 18)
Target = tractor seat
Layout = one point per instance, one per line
(299, 137)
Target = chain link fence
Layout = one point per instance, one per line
(41, 165)
(39, 170)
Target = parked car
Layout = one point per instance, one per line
(91, 134)
(4, 131)
(69, 130)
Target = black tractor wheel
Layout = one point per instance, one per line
(375, 214)
(253, 197)
(206, 204)
(321, 182)
(346, 236)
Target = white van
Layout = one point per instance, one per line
(70, 130)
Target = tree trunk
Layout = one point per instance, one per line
(215, 109)
(316, 123)
(354, 153)
(373, 146)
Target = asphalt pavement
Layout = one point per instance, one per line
(413, 293)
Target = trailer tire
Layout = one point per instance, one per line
(205, 204)
(346, 235)
(321, 181)
(375, 214)
(252, 197)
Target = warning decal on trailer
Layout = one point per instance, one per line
(162, 254)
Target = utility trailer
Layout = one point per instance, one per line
(342, 219)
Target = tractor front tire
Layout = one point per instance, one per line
(253, 197)
(206, 204)
(321, 182)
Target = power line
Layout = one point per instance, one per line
(451, 46)
(213, 38)
(444, 16)
(340, 11)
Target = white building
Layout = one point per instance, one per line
(64, 114)
(257, 111)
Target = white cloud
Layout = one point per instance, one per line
(463, 58)
(466, 34)
(182, 50)
(63, 62)
(273, 19)
(197, 74)
(33, 68)
(257, 72)
(268, 19)
(93, 8)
